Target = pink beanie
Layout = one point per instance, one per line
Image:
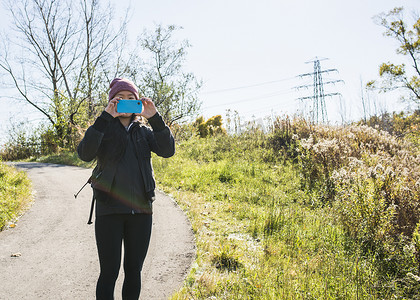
(122, 84)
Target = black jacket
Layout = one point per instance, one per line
(106, 140)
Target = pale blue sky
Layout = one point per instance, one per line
(240, 43)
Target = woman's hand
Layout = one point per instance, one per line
(149, 108)
(112, 108)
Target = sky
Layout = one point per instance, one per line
(249, 54)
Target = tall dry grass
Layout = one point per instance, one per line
(372, 181)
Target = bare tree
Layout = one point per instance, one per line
(162, 77)
(60, 54)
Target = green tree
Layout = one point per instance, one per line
(397, 76)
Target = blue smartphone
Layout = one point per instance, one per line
(129, 106)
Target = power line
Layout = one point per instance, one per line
(267, 109)
(248, 86)
(251, 99)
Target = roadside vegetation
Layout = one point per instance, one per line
(15, 194)
(302, 211)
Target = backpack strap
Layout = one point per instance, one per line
(89, 181)
(93, 200)
(91, 210)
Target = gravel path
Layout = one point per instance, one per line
(56, 251)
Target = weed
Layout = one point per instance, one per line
(225, 258)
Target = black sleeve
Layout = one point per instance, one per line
(88, 147)
(102, 121)
(161, 140)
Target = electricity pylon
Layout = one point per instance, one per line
(319, 109)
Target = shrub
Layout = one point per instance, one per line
(25, 142)
(210, 127)
(282, 138)
(183, 132)
(21, 143)
(406, 125)
(364, 211)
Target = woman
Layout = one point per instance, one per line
(123, 185)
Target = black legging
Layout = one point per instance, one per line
(111, 230)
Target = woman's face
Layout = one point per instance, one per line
(126, 95)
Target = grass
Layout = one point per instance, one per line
(15, 194)
(64, 158)
(256, 236)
